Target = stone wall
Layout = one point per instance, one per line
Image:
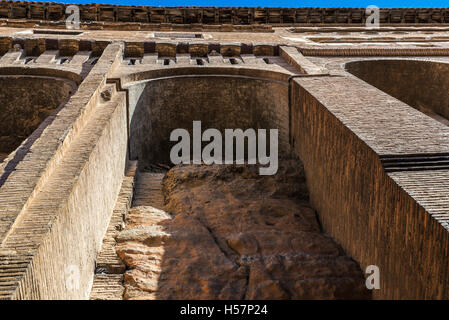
(25, 102)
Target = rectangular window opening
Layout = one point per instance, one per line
(61, 32)
(178, 35)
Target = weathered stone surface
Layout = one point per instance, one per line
(228, 233)
(212, 15)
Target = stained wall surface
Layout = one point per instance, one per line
(25, 102)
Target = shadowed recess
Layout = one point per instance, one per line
(424, 85)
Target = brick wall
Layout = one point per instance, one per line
(384, 219)
(64, 192)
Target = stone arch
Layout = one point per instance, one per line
(422, 84)
(221, 97)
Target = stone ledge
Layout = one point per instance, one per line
(386, 219)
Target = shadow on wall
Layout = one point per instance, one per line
(424, 85)
(223, 102)
(27, 104)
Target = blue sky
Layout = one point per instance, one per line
(274, 3)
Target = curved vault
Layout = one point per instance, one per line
(224, 99)
(423, 85)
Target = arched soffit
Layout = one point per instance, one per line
(260, 74)
(221, 98)
(41, 72)
(422, 84)
(26, 102)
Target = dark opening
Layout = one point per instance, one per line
(267, 61)
(25, 102)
